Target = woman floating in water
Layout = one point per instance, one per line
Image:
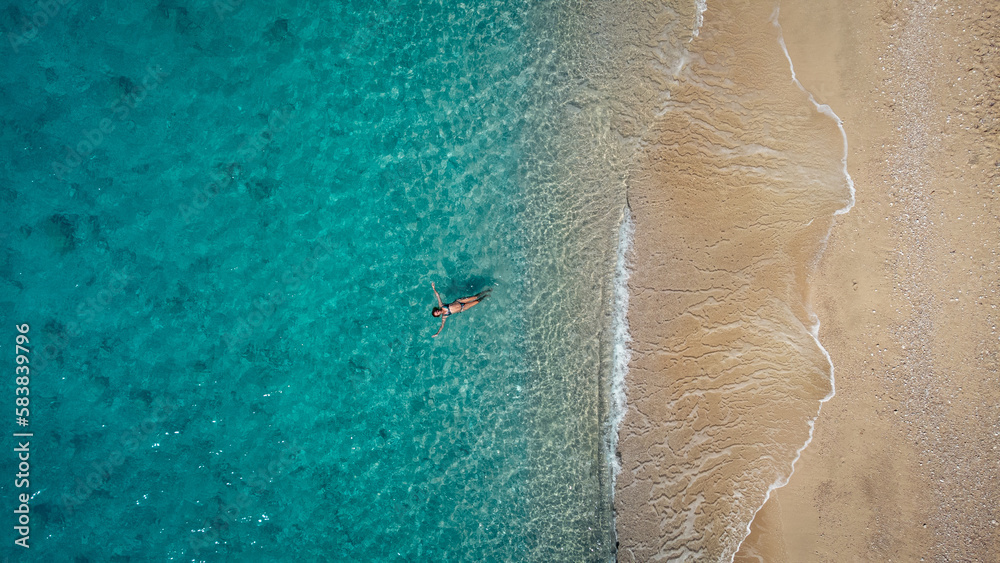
(456, 306)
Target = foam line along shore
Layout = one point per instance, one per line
(902, 459)
(739, 177)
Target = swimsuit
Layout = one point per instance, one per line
(446, 310)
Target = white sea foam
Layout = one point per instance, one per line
(621, 354)
(822, 108)
(814, 329)
(699, 18)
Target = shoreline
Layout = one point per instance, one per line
(736, 189)
(621, 353)
(901, 464)
(817, 324)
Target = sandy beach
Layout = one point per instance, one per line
(903, 460)
(903, 463)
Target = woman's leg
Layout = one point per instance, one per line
(477, 297)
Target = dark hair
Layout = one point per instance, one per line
(436, 311)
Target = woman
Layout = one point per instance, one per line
(457, 306)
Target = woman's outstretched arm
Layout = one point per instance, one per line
(443, 319)
(440, 304)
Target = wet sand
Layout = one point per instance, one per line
(738, 180)
(904, 461)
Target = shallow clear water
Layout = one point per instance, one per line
(222, 222)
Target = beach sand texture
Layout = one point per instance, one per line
(905, 458)
(735, 192)
(740, 178)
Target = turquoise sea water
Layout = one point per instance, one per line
(221, 222)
